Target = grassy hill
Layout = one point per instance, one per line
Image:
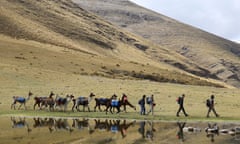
(218, 56)
(58, 46)
(60, 36)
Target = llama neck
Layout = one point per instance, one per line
(89, 99)
(28, 98)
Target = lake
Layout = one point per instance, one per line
(51, 130)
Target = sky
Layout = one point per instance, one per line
(220, 17)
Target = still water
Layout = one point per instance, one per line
(45, 130)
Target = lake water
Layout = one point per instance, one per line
(40, 130)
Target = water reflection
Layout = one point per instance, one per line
(20, 123)
(44, 122)
(85, 130)
(113, 126)
(146, 133)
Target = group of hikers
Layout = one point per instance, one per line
(150, 101)
(110, 103)
(180, 100)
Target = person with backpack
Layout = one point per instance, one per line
(210, 104)
(180, 101)
(150, 102)
(141, 102)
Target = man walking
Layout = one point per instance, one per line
(141, 102)
(181, 107)
(210, 105)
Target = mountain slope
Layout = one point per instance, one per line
(60, 36)
(218, 56)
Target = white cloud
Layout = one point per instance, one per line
(221, 17)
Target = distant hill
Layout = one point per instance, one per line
(215, 57)
(44, 36)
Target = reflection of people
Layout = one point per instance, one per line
(149, 133)
(141, 102)
(211, 107)
(181, 107)
(211, 131)
(141, 130)
(180, 134)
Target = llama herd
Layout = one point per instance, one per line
(43, 102)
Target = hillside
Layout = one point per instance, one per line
(38, 37)
(218, 56)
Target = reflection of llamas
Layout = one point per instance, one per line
(62, 124)
(84, 101)
(21, 123)
(21, 100)
(44, 122)
(101, 125)
(114, 126)
(39, 100)
(63, 102)
(82, 124)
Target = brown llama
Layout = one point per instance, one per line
(48, 102)
(39, 100)
(101, 102)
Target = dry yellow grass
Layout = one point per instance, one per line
(43, 66)
(27, 65)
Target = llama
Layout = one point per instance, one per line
(21, 100)
(59, 101)
(114, 103)
(101, 102)
(84, 101)
(39, 100)
(48, 102)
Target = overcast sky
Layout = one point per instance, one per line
(220, 17)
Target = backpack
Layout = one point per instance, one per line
(149, 100)
(208, 103)
(140, 102)
(178, 100)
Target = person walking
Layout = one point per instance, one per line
(210, 105)
(150, 102)
(181, 107)
(141, 102)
